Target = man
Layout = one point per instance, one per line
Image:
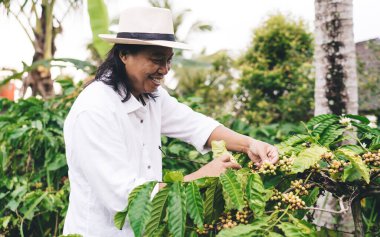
(113, 131)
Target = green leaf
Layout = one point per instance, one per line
(98, 13)
(362, 119)
(303, 226)
(195, 204)
(140, 208)
(175, 148)
(173, 176)
(256, 194)
(321, 127)
(324, 232)
(308, 157)
(161, 231)
(205, 181)
(274, 234)
(291, 230)
(119, 218)
(18, 132)
(356, 161)
(242, 177)
(286, 146)
(350, 174)
(214, 202)
(58, 162)
(319, 119)
(354, 148)
(256, 228)
(331, 134)
(37, 124)
(177, 210)
(312, 198)
(30, 212)
(232, 188)
(375, 144)
(159, 205)
(218, 148)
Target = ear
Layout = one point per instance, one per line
(123, 58)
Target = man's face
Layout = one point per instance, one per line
(146, 69)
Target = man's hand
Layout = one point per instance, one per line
(260, 152)
(214, 168)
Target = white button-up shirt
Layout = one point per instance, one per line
(112, 147)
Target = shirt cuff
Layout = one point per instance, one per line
(200, 143)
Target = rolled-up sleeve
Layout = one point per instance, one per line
(180, 121)
(99, 151)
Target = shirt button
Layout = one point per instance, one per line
(148, 166)
(141, 121)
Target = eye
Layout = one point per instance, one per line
(157, 60)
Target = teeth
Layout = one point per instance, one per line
(157, 80)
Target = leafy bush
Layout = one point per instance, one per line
(33, 172)
(277, 82)
(270, 200)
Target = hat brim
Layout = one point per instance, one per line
(164, 43)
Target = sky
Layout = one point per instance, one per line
(233, 22)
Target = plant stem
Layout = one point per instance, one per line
(358, 219)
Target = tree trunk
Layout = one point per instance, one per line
(335, 58)
(358, 220)
(336, 87)
(39, 79)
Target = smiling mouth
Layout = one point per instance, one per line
(157, 80)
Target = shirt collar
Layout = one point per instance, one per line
(133, 104)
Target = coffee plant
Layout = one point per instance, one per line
(33, 173)
(338, 154)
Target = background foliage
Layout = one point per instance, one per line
(33, 173)
(263, 94)
(277, 82)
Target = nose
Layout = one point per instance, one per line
(164, 68)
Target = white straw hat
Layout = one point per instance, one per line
(145, 26)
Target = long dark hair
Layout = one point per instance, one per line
(112, 71)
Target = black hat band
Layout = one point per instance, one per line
(146, 36)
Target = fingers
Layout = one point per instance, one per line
(256, 159)
(273, 155)
(233, 165)
(225, 157)
(265, 153)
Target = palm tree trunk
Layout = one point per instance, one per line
(335, 58)
(39, 79)
(336, 87)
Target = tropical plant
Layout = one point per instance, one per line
(271, 200)
(276, 82)
(209, 83)
(33, 173)
(41, 22)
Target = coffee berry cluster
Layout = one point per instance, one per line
(337, 166)
(327, 155)
(372, 158)
(277, 195)
(228, 220)
(300, 187)
(286, 163)
(267, 168)
(316, 167)
(293, 200)
(206, 229)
